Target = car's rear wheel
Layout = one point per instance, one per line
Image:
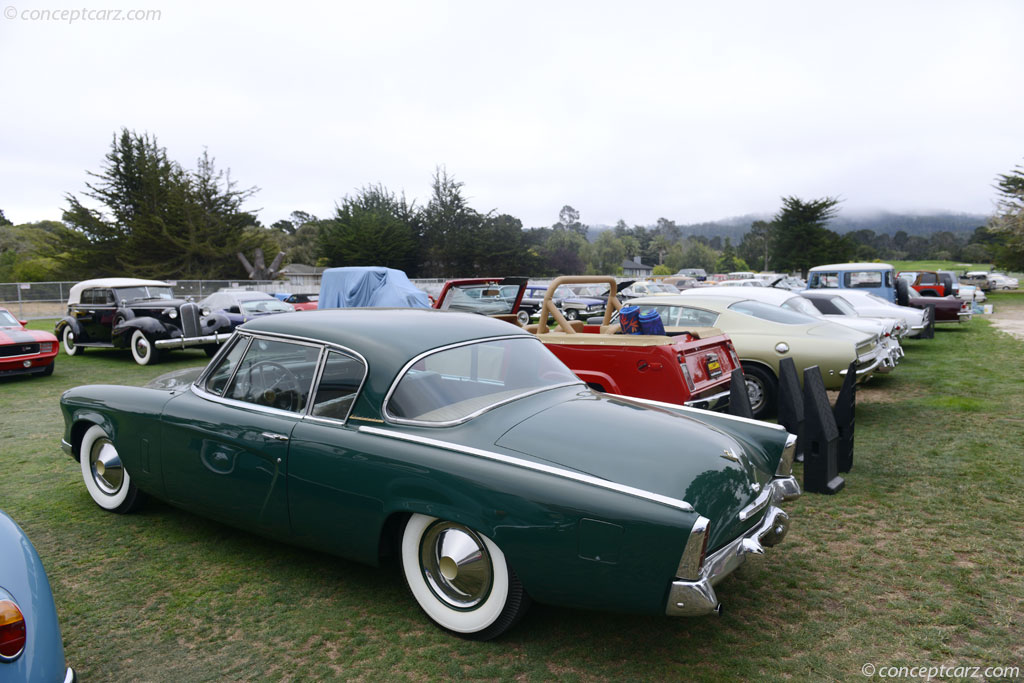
(105, 477)
(460, 578)
(572, 314)
(761, 389)
(69, 341)
(143, 350)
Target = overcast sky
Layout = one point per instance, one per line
(691, 111)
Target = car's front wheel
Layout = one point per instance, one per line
(523, 317)
(460, 578)
(143, 350)
(70, 347)
(572, 314)
(105, 477)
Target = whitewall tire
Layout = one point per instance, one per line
(143, 350)
(69, 341)
(106, 479)
(460, 578)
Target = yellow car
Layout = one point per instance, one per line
(764, 334)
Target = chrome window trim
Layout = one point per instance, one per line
(535, 466)
(697, 411)
(325, 354)
(388, 417)
(198, 386)
(200, 381)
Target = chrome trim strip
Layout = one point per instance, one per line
(529, 465)
(785, 467)
(689, 563)
(762, 499)
(451, 423)
(685, 409)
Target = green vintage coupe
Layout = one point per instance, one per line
(458, 443)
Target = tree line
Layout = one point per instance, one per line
(144, 214)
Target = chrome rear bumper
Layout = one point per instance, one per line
(697, 598)
(185, 342)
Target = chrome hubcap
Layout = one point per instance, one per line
(755, 392)
(107, 471)
(456, 565)
(142, 347)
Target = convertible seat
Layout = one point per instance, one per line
(575, 324)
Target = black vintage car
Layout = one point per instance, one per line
(141, 315)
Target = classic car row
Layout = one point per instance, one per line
(497, 462)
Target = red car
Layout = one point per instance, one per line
(300, 302)
(692, 368)
(23, 351)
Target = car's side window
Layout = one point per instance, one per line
(275, 374)
(824, 280)
(218, 379)
(683, 316)
(338, 386)
(869, 279)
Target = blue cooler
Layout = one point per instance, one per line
(650, 322)
(629, 320)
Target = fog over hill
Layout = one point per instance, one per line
(880, 222)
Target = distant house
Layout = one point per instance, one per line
(303, 277)
(635, 268)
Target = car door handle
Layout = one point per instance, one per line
(275, 437)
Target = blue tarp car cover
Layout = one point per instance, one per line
(358, 286)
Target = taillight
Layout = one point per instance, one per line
(12, 631)
(686, 374)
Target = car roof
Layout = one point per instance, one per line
(768, 295)
(699, 298)
(75, 293)
(852, 266)
(386, 337)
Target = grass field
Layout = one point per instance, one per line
(919, 561)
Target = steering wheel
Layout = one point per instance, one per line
(272, 384)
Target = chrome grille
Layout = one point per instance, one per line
(190, 326)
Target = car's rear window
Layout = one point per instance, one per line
(774, 314)
(454, 384)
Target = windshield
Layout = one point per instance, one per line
(141, 293)
(774, 314)
(257, 306)
(8, 320)
(485, 299)
(684, 316)
(455, 384)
